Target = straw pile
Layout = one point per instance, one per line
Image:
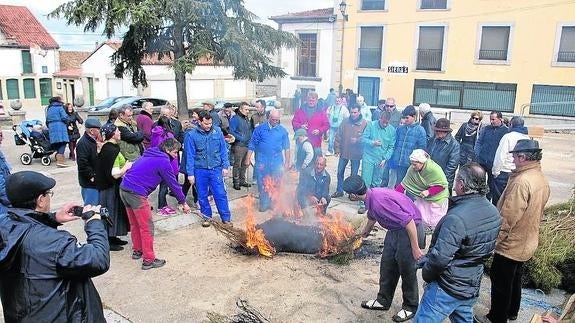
(552, 265)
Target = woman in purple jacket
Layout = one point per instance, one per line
(138, 183)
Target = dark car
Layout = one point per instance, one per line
(136, 103)
(105, 104)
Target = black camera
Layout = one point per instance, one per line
(104, 214)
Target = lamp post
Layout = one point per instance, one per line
(345, 17)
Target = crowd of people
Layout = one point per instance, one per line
(410, 167)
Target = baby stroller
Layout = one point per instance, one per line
(40, 147)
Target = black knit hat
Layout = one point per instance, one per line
(354, 184)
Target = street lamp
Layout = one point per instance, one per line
(342, 8)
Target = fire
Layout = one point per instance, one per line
(337, 234)
(255, 238)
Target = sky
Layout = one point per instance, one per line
(73, 38)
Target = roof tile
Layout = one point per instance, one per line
(21, 28)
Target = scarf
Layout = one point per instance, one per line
(431, 175)
(471, 129)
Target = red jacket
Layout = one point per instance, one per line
(318, 120)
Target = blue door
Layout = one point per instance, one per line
(368, 87)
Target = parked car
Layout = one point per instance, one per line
(107, 103)
(136, 103)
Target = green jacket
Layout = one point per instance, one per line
(374, 132)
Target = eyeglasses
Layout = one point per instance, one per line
(475, 118)
(49, 192)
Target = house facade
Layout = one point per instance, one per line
(310, 67)
(29, 58)
(206, 82)
(515, 56)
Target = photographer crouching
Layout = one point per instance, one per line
(45, 273)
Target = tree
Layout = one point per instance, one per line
(221, 32)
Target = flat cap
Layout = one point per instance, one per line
(92, 123)
(26, 185)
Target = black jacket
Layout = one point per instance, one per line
(44, 272)
(87, 159)
(445, 152)
(461, 244)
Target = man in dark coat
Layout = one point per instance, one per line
(444, 150)
(87, 158)
(313, 188)
(45, 273)
(461, 244)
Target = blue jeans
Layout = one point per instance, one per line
(90, 196)
(211, 180)
(436, 305)
(341, 165)
(331, 139)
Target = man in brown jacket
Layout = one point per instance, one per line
(348, 146)
(521, 206)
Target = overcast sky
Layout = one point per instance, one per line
(73, 38)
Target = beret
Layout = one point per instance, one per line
(92, 123)
(26, 185)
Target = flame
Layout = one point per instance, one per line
(255, 238)
(337, 233)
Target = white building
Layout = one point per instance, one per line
(29, 58)
(206, 82)
(310, 67)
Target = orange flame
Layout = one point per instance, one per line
(282, 192)
(255, 238)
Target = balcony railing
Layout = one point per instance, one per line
(369, 58)
(566, 56)
(493, 54)
(372, 4)
(429, 59)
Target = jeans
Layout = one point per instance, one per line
(437, 305)
(211, 180)
(397, 261)
(162, 192)
(341, 165)
(505, 288)
(499, 184)
(141, 226)
(331, 139)
(91, 196)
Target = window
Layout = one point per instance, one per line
(12, 89)
(26, 62)
(307, 55)
(553, 100)
(370, 47)
(433, 4)
(494, 43)
(430, 48)
(467, 95)
(373, 5)
(566, 51)
(29, 89)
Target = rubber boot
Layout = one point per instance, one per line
(60, 160)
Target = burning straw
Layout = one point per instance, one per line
(292, 229)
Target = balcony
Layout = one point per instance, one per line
(493, 54)
(369, 58)
(566, 56)
(429, 59)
